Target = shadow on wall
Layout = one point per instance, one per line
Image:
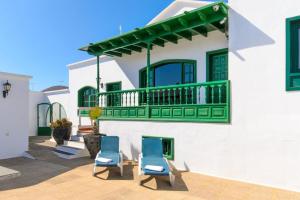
(134, 152)
(247, 35)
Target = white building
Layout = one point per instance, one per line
(219, 88)
(14, 112)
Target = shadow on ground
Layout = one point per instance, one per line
(47, 166)
(44, 167)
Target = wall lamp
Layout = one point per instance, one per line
(6, 88)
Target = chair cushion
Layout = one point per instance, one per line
(155, 161)
(114, 156)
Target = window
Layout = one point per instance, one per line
(168, 146)
(87, 97)
(293, 53)
(169, 72)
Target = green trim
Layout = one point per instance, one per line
(170, 155)
(292, 56)
(175, 110)
(157, 64)
(208, 55)
(116, 82)
(80, 95)
(198, 21)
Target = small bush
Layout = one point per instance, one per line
(63, 123)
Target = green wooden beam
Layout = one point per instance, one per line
(133, 48)
(201, 30)
(202, 16)
(125, 51)
(183, 22)
(186, 34)
(137, 36)
(167, 30)
(166, 27)
(159, 42)
(170, 38)
(150, 32)
(112, 53)
(218, 26)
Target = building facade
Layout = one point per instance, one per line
(220, 89)
(14, 112)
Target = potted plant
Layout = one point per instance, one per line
(93, 141)
(61, 130)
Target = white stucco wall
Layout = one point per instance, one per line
(261, 143)
(34, 99)
(264, 133)
(14, 112)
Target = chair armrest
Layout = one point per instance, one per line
(98, 154)
(169, 164)
(121, 156)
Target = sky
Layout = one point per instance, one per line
(40, 37)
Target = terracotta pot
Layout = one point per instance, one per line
(93, 143)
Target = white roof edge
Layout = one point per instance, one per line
(171, 5)
(57, 91)
(86, 61)
(16, 75)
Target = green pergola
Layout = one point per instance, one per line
(184, 26)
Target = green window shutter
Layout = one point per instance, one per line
(292, 53)
(87, 97)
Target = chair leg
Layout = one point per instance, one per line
(172, 179)
(121, 170)
(94, 171)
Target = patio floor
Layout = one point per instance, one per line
(49, 177)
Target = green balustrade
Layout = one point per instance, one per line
(194, 102)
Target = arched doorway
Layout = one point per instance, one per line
(47, 113)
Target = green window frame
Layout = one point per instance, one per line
(87, 97)
(292, 53)
(168, 146)
(188, 71)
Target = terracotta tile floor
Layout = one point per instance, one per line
(52, 178)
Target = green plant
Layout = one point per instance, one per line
(94, 114)
(63, 123)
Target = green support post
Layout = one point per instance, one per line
(148, 78)
(98, 81)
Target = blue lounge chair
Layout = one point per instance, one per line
(109, 151)
(152, 155)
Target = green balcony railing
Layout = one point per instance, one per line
(195, 102)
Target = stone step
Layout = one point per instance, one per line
(76, 138)
(64, 155)
(68, 149)
(76, 144)
(67, 152)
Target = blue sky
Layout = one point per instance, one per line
(40, 37)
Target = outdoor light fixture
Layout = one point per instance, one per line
(216, 8)
(223, 20)
(6, 88)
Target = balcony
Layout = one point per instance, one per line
(196, 102)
